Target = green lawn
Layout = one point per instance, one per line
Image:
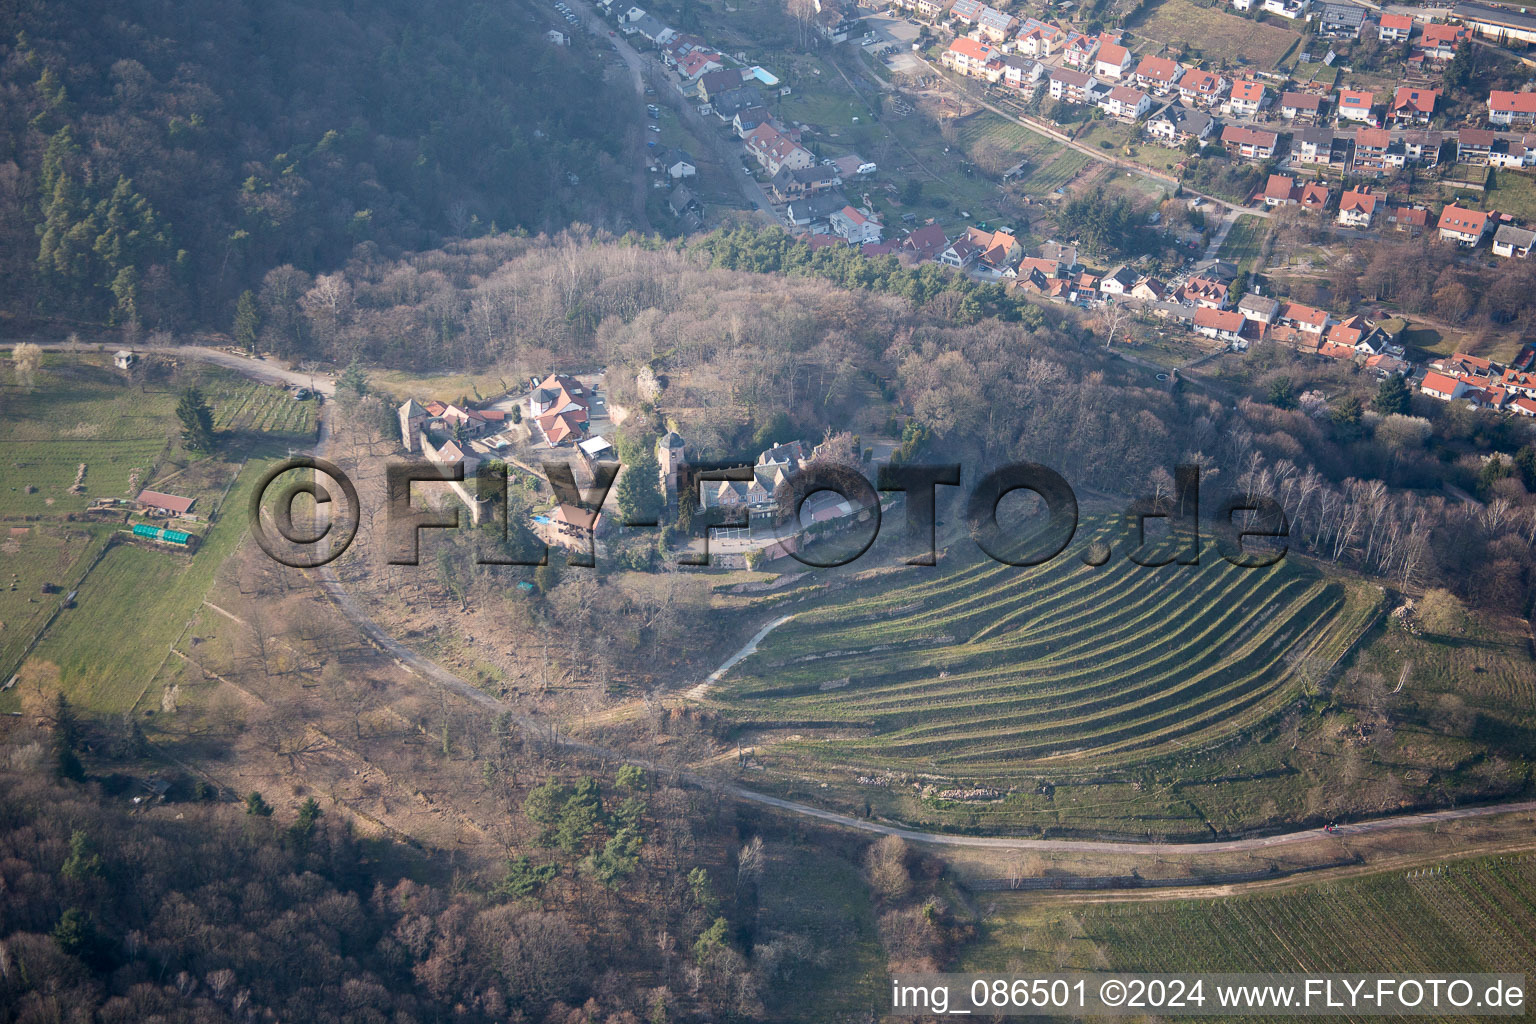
(1243, 243)
(30, 557)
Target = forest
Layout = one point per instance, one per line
(161, 159)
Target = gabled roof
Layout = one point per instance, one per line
(1463, 221)
(1200, 82)
(972, 49)
(1248, 90)
(1280, 187)
(1314, 196)
(169, 502)
(1301, 101)
(1241, 134)
(1220, 319)
(1126, 95)
(1439, 383)
(1357, 199)
(1159, 69)
(1397, 22)
(1113, 53)
(1356, 99)
(1500, 101)
(1308, 315)
(1520, 238)
(1420, 101)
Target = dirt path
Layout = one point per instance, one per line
(698, 692)
(547, 732)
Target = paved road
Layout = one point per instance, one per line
(546, 731)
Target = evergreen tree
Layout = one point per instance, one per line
(257, 806)
(247, 321)
(196, 421)
(353, 382)
(66, 737)
(1392, 396)
(639, 493)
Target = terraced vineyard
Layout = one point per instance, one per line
(1469, 916)
(989, 669)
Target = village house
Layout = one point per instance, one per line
(961, 254)
(1040, 39)
(966, 12)
(1443, 387)
(1220, 324)
(1126, 104)
(995, 25)
(1149, 289)
(1302, 105)
(1074, 86)
(1317, 145)
(1200, 86)
(1158, 74)
(1409, 220)
(1118, 281)
(1340, 20)
(1510, 241)
(1356, 105)
(1078, 51)
(1112, 60)
(1415, 106)
(857, 226)
(774, 151)
(1203, 291)
(1288, 9)
(1394, 28)
(1507, 108)
(1247, 99)
(1022, 73)
(1308, 320)
(924, 244)
(1439, 42)
(1357, 207)
(968, 57)
(1176, 125)
(1249, 143)
(1259, 309)
(746, 121)
(1462, 226)
(811, 209)
(1281, 190)
(792, 183)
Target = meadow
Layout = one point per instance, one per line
(1215, 35)
(1244, 242)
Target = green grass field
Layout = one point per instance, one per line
(31, 556)
(1243, 243)
(133, 606)
(995, 671)
(1466, 916)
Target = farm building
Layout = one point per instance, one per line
(165, 504)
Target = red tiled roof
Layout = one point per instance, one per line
(1220, 319)
(169, 502)
(1247, 89)
(1512, 102)
(1399, 22)
(1461, 220)
(1421, 101)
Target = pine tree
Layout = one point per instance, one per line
(256, 805)
(196, 421)
(1392, 396)
(66, 737)
(353, 382)
(247, 321)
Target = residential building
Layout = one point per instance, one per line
(813, 209)
(1462, 226)
(995, 26)
(1281, 190)
(1339, 20)
(678, 164)
(1357, 105)
(1242, 5)
(1412, 105)
(774, 151)
(1511, 107)
(1112, 60)
(792, 183)
(1510, 241)
(968, 56)
(1260, 309)
(1149, 289)
(1357, 207)
(1118, 281)
(1220, 324)
(1040, 39)
(1314, 197)
(1247, 99)
(1073, 86)
(1249, 143)
(1203, 291)
(1315, 144)
(1158, 73)
(962, 253)
(1126, 103)
(1176, 125)
(1200, 86)
(1306, 319)
(1474, 146)
(1022, 73)
(1439, 42)
(1395, 28)
(966, 12)
(1442, 386)
(924, 244)
(1078, 52)
(1305, 105)
(1289, 9)
(1410, 220)
(856, 226)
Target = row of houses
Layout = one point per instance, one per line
(1483, 383)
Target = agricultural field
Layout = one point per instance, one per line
(39, 565)
(132, 608)
(997, 672)
(1472, 915)
(1216, 36)
(1244, 242)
